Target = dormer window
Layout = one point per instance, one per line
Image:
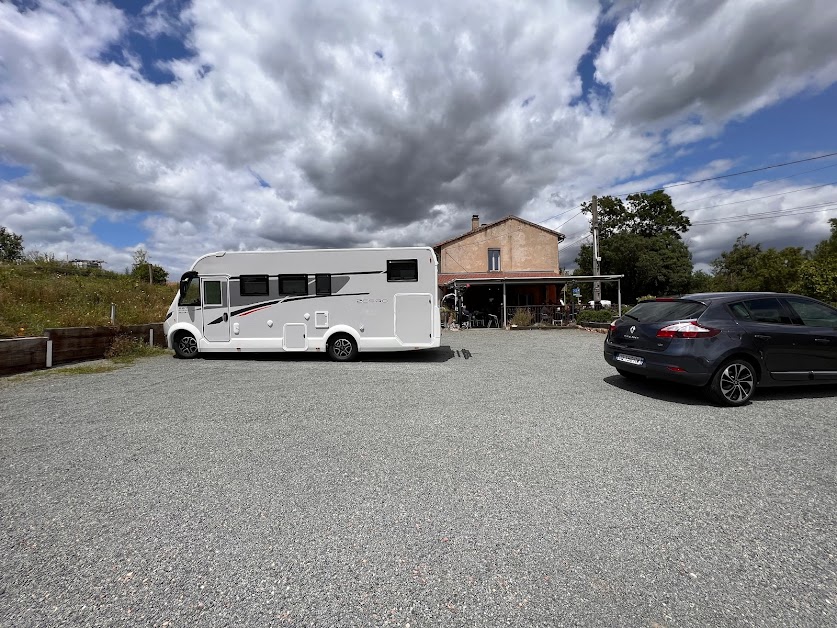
(493, 259)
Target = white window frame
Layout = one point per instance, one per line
(490, 260)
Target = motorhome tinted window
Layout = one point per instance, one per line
(402, 270)
(212, 293)
(293, 284)
(253, 285)
(323, 284)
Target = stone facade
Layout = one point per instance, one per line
(523, 246)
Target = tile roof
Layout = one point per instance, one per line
(484, 227)
(446, 278)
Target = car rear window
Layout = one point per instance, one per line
(657, 311)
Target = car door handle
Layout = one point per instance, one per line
(761, 336)
(822, 341)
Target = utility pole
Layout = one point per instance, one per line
(594, 222)
(150, 273)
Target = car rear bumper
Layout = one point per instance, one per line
(684, 369)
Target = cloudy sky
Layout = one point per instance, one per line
(185, 127)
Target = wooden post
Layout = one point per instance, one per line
(49, 354)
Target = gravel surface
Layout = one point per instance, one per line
(507, 479)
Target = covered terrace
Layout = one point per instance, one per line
(491, 298)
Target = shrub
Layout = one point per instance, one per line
(596, 316)
(521, 318)
(129, 348)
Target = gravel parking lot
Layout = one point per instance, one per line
(509, 478)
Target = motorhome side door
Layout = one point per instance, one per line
(216, 310)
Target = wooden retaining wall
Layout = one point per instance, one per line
(68, 344)
(22, 354)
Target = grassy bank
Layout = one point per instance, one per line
(35, 296)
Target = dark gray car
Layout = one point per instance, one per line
(728, 342)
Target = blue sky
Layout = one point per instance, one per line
(185, 127)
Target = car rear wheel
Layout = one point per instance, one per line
(734, 383)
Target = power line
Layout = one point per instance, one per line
(726, 192)
(581, 239)
(776, 213)
(725, 176)
(758, 198)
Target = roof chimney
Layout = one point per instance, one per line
(475, 222)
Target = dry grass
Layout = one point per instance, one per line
(126, 349)
(38, 295)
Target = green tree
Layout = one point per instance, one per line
(817, 276)
(659, 265)
(640, 239)
(818, 279)
(737, 270)
(827, 249)
(701, 282)
(644, 214)
(778, 270)
(748, 268)
(140, 269)
(11, 246)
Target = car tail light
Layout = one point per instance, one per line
(612, 326)
(689, 329)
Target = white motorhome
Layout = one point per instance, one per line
(338, 301)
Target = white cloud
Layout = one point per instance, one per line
(672, 61)
(372, 124)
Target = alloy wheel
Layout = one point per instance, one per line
(737, 383)
(342, 348)
(187, 346)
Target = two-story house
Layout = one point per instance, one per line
(498, 267)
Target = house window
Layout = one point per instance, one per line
(253, 285)
(323, 284)
(293, 285)
(402, 270)
(493, 259)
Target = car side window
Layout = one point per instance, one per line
(765, 310)
(740, 311)
(813, 314)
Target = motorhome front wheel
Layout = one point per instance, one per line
(185, 346)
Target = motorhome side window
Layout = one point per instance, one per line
(212, 293)
(293, 285)
(253, 285)
(323, 284)
(402, 270)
